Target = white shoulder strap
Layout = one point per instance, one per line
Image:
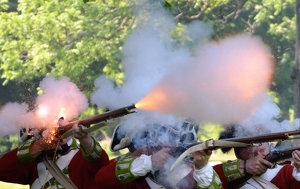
(263, 182)
(43, 173)
(271, 173)
(178, 174)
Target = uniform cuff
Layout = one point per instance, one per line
(141, 165)
(123, 166)
(94, 152)
(214, 184)
(231, 170)
(203, 176)
(24, 151)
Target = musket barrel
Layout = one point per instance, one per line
(98, 118)
(279, 136)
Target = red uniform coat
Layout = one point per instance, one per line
(283, 179)
(81, 172)
(219, 169)
(106, 179)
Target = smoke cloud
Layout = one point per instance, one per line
(217, 81)
(60, 98)
(264, 121)
(147, 57)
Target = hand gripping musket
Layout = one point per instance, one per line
(235, 142)
(275, 155)
(65, 130)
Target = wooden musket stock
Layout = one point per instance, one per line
(97, 118)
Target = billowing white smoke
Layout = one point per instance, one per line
(145, 127)
(60, 98)
(147, 57)
(13, 117)
(223, 81)
(265, 121)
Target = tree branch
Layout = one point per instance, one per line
(235, 14)
(200, 13)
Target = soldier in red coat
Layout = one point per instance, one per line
(251, 170)
(77, 163)
(147, 165)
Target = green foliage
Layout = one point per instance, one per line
(77, 40)
(84, 40)
(3, 5)
(5, 145)
(277, 27)
(209, 131)
(8, 143)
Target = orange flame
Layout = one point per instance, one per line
(160, 99)
(149, 102)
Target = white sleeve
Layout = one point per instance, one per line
(204, 176)
(296, 174)
(141, 165)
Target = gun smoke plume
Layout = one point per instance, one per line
(264, 121)
(217, 81)
(60, 98)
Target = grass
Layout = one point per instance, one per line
(5, 185)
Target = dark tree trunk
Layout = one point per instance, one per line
(296, 69)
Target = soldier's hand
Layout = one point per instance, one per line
(78, 131)
(257, 165)
(84, 138)
(296, 159)
(201, 158)
(139, 152)
(160, 158)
